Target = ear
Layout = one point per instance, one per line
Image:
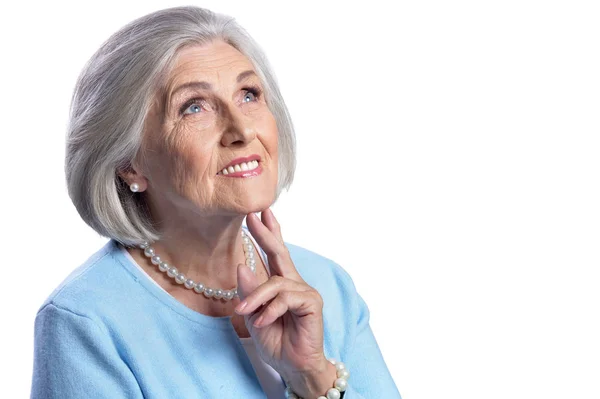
(132, 175)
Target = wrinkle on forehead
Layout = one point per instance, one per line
(199, 61)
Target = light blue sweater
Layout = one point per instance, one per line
(108, 332)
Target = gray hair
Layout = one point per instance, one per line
(114, 94)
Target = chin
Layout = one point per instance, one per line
(241, 196)
(259, 203)
(246, 204)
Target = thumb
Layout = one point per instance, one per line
(247, 281)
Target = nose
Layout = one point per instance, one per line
(237, 129)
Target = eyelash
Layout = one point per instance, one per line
(255, 90)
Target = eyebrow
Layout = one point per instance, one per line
(208, 86)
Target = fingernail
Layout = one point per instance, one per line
(258, 321)
(241, 307)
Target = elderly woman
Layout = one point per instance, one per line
(178, 133)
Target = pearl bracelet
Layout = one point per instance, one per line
(339, 385)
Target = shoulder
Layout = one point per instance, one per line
(92, 285)
(320, 272)
(311, 263)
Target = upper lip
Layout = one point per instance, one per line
(253, 157)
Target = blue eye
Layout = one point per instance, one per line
(194, 105)
(192, 108)
(249, 94)
(254, 92)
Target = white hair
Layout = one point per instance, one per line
(110, 102)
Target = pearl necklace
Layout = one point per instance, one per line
(190, 284)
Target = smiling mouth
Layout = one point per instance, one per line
(242, 169)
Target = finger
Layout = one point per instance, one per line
(247, 281)
(250, 322)
(265, 238)
(280, 261)
(300, 303)
(269, 220)
(267, 291)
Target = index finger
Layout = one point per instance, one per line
(269, 220)
(280, 261)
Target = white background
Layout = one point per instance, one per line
(448, 159)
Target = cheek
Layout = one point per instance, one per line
(271, 136)
(184, 156)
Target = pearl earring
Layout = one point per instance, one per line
(134, 187)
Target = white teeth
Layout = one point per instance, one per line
(244, 166)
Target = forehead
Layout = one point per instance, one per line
(208, 62)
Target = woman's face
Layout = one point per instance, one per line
(212, 113)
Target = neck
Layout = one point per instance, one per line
(204, 249)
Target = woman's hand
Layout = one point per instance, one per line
(284, 315)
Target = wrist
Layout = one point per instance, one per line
(318, 382)
(314, 382)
